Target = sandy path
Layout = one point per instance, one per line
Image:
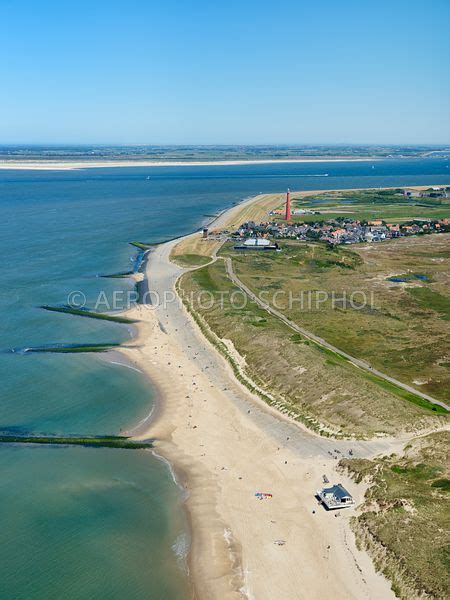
(225, 445)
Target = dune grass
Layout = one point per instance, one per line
(429, 299)
(193, 245)
(305, 380)
(404, 521)
(400, 329)
(191, 260)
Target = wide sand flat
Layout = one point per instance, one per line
(225, 445)
(61, 165)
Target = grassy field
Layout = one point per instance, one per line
(364, 205)
(190, 260)
(193, 251)
(401, 328)
(254, 211)
(307, 382)
(405, 519)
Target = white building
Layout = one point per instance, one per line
(257, 243)
(251, 242)
(335, 497)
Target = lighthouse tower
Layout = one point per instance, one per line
(288, 214)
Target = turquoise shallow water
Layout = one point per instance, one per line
(88, 523)
(104, 523)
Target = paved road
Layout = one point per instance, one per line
(308, 334)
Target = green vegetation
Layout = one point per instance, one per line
(84, 312)
(300, 378)
(142, 245)
(191, 260)
(431, 300)
(401, 330)
(404, 522)
(443, 484)
(335, 358)
(109, 441)
(388, 205)
(408, 396)
(387, 328)
(209, 153)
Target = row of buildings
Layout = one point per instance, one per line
(342, 230)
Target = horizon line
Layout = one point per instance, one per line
(224, 144)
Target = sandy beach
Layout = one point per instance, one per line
(59, 165)
(224, 444)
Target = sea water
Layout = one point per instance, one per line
(90, 523)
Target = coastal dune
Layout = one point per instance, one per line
(225, 445)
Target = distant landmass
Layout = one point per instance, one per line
(214, 153)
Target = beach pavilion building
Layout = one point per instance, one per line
(335, 497)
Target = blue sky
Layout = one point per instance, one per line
(329, 71)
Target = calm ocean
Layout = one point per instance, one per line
(101, 523)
